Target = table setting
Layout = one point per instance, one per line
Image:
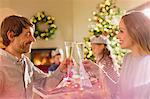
(76, 84)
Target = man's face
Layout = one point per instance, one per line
(23, 42)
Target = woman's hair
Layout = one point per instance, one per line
(13, 24)
(138, 27)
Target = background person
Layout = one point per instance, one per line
(56, 57)
(104, 70)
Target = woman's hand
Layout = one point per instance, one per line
(89, 65)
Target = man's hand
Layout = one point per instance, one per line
(64, 65)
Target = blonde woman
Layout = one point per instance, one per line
(134, 34)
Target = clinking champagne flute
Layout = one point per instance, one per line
(69, 46)
(80, 51)
(84, 78)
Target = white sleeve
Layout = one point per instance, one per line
(142, 80)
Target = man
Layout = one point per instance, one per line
(18, 75)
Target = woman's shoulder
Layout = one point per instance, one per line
(146, 59)
(127, 56)
(146, 56)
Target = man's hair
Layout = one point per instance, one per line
(138, 27)
(13, 24)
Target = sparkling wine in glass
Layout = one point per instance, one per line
(80, 52)
(69, 46)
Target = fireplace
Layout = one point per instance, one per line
(42, 58)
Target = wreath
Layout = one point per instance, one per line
(44, 26)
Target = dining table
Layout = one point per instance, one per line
(75, 92)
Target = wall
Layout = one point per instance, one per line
(82, 11)
(130, 4)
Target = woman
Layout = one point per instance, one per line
(134, 34)
(104, 70)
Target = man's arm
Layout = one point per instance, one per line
(42, 80)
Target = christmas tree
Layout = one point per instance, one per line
(105, 22)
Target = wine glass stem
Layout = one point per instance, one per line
(68, 71)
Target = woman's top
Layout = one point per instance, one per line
(107, 75)
(134, 80)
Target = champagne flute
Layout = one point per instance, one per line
(80, 52)
(84, 78)
(69, 46)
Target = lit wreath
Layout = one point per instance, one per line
(44, 25)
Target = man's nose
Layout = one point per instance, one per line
(33, 38)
